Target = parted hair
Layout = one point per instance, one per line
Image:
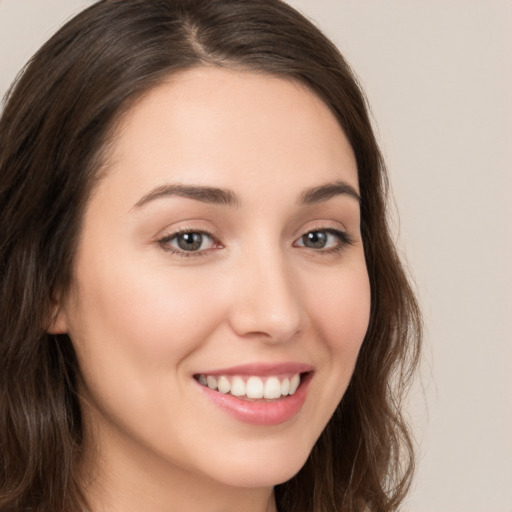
(55, 128)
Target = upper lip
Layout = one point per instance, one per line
(261, 369)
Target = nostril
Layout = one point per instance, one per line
(263, 323)
(265, 304)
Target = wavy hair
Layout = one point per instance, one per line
(54, 133)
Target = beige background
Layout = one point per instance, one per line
(439, 78)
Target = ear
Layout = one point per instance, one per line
(59, 323)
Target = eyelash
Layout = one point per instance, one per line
(165, 241)
(344, 240)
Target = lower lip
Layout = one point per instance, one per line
(261, 413)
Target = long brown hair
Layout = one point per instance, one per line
(54, 133)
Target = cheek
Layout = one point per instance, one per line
(149, 313)
(340, 310)
(134, 330)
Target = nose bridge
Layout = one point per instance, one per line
(266, 301)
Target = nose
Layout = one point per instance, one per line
(266, 303)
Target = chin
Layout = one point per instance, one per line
(273, 471)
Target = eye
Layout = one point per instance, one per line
(325, 240)
(187, 242)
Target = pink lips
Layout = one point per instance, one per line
(261, 370)
(264, 413)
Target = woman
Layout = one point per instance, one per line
(202, 308)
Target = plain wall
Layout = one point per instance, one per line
(438, 75)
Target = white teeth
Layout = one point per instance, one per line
(294, 384)
(223, 384)
(238, 387)
(272, 388)
(254, 387)
(211, 382)
(285, 386)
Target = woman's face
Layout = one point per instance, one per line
(221, 248)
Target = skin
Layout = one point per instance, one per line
(144, 319)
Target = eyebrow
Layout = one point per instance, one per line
(225, 197)
(328, 191)
(212, 195)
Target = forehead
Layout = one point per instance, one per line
(229, 128)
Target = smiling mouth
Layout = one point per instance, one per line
(253, 387)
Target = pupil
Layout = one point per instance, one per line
(190, 241)
(315, 239)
